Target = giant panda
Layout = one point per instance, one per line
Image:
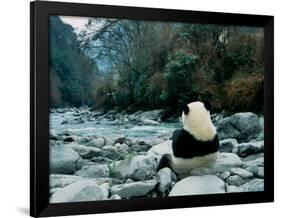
(196, 144)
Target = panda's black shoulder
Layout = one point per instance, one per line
(187, 146)
(181, 135)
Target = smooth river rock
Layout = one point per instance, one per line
(133, 189)
(198, 185)
(84, 190)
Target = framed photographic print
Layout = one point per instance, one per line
(141, 109)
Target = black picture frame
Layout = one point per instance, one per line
(39, 108)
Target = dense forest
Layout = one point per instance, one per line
(130, 65)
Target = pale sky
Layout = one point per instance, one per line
(76, 22)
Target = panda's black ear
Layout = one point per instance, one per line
(207, 105)
(185, 109)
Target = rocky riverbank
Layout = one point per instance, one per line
(112, 163)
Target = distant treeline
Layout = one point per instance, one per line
(156, 65)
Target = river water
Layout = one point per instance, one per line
(106, 127)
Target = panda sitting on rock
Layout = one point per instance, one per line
(196, 144)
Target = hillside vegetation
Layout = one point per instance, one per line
(130, 65)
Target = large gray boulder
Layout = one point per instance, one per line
(63, 159)
(94, 171)
(245, 149)
(241, 126)
(197, 185)
(133, 189)
(226, 161)
(84, 190)
(140, 167)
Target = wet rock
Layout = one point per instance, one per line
(63, 160)
(84, 190)
(196, 185)
(245, 149)
(133, 189)
(227, 145)
(93, 171)
(241, 126)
